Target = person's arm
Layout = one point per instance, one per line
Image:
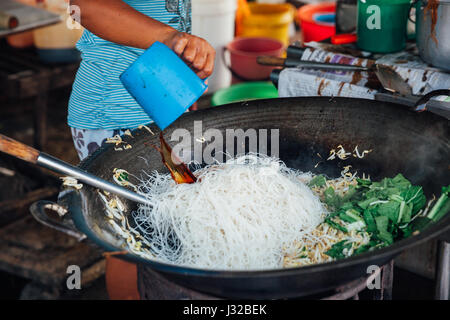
(116, 21)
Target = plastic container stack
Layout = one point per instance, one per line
(317, 21)
(214, 20)
(56, 43)
(267, 20)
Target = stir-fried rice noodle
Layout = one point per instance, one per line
(245, 214)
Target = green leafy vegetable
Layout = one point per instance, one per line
(389, 209)
(370, 221)
(414, 196)
(123, 176)
(352, 193)
(363, 182)
(386, 237)
(437, 212)
(331, 198)
(354, 214)
(405, 211)
(335, 225)
(318, 181)
(442, 206)
(346, 217)
(366, 202)
(337, 250)
(386, 209)
(382, 223)
(399, 181)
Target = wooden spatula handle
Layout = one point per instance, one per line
(18, 149)
(271, 61)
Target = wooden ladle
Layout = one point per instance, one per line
(29, 154)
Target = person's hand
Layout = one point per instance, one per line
(195, 51)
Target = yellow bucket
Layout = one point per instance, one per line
(268, 21)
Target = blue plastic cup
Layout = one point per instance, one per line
(162, 84)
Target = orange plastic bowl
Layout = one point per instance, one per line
(317, 21)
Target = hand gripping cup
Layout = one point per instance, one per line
(162, 84)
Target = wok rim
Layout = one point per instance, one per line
(432, 232)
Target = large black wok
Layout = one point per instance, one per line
(416, 145)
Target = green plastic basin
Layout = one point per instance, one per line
(244, 92)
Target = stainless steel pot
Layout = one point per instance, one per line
(433, 32)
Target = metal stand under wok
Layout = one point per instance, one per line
(442, 288)
(154, 286)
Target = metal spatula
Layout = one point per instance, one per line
(29, 154)
(296, 63)
(402, 93)
(391, 80)
(400, 90)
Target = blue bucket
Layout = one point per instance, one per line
(162, 84)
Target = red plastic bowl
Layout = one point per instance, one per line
(312, 29)
(243, 54)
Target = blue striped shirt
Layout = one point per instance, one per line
(98, 99)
